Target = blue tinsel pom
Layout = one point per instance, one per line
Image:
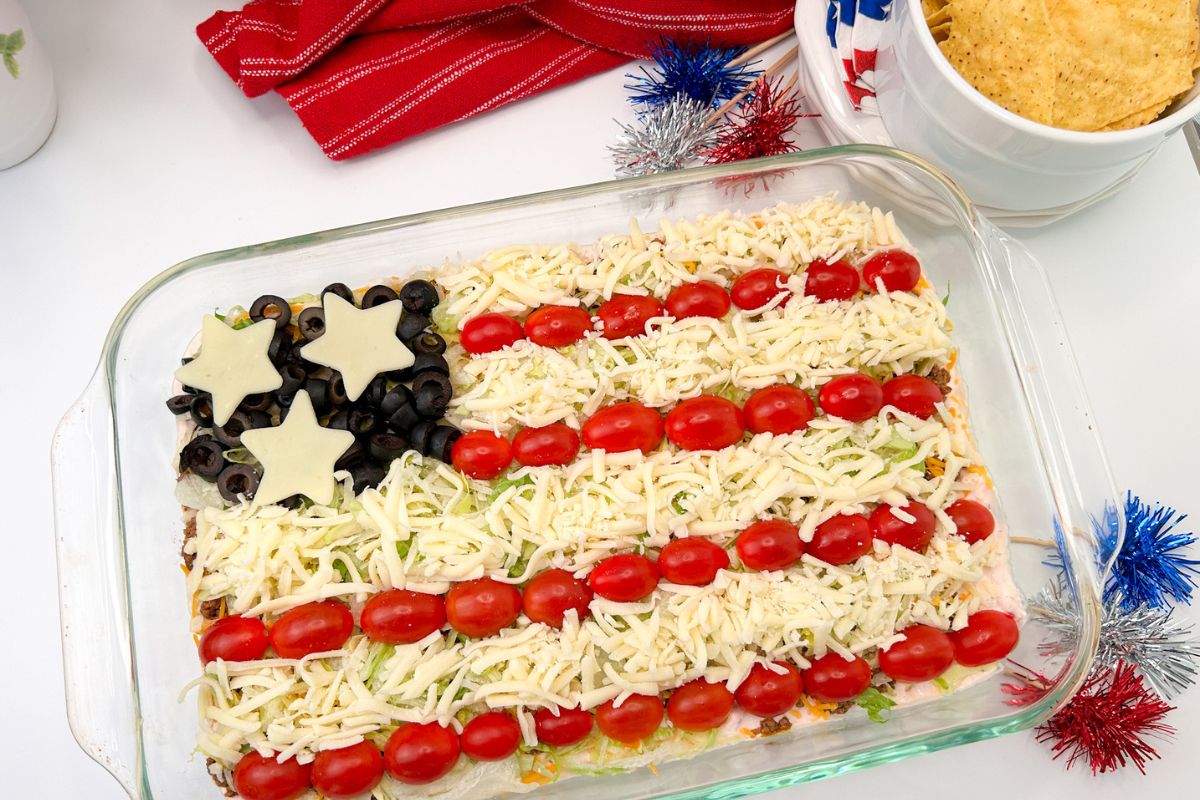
(1149, 569)
(698, 72)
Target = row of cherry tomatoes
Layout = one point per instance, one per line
(485, 606)
(419, 753)
(625, 315)
(706, 422)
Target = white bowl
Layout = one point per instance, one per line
(1002, 160)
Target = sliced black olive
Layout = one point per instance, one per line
(354, 456)
(271, 306)
(442, 441)
(367, 475)
(341, 290)
(337, 389)
(427, 343)
(180, 404)
(437, 379)
(419, 296)
(362, 421)
(386, 447)
(375, 392)
(203, 456)
(186, 360)
(411, 326)
(280, 347)
(285, 401)
(430, 401)
(294, 377)
(255, 402)
(311, 322)
(237, 479)
(230, 434)
(430, 362)
(419, 436)
(202, 410)
(340, 421)
(318, 392)
(404, 419)
(400, 375)
(378, 295)
(399, 395)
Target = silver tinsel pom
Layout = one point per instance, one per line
(1162, 650)
(664, 138)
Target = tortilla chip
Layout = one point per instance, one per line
(1117, 58)
(931, 7)
(1004, 48)
(939, 17)
(1138, 118)
(941, 32)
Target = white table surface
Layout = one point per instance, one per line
(156, 158)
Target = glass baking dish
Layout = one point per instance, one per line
(124, 611)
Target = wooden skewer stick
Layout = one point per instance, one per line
(783, 61)
(758, 48)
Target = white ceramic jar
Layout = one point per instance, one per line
(28, 105)
(999, 158)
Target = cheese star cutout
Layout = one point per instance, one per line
(297, 457)
(231, 364)
(359, 343)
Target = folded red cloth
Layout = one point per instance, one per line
(362, 74)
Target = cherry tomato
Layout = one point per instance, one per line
(912, 394)
(989, 636)
(699, 706)
(632, 721)
(348, 771)
(855, 397)
(481, 454)
(553, 593)
(259, 778)
(624, 426)
(557, 326)
(624, 578)
(627, 314)
(833, 679)
(924, 654)
(234, 639)
(692, 561)
(914, 535)
(493, 736)
(401, 616)
(554, 444)
(421, 752)
(489, 332)
(898, 270)
(973, 520)
(779, 409)
(569, 726)
(770, 544)
(482, 607)
(841, 539)
(825, 281)
(768, 694)
(705, 423)
(756, 288)
(312, 628)
(702, 299)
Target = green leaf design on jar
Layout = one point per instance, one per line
(10, 45)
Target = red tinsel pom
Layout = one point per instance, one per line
(1106, 722)
(759, 128)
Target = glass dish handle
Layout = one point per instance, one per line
(1085, 493)
(91, 570)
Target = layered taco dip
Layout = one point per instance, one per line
(572, 509)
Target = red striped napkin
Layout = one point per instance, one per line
(363, 74)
